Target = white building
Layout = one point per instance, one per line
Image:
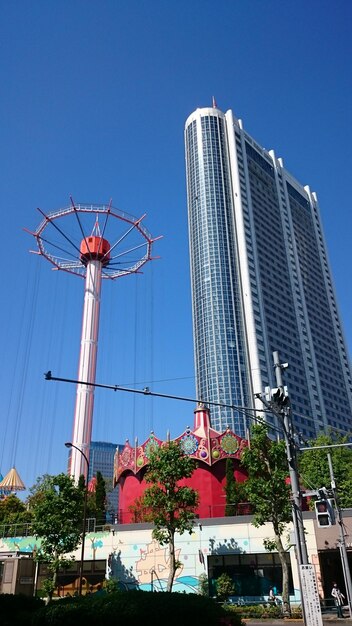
(261, 281)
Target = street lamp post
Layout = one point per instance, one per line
(68, 444)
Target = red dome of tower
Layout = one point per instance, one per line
(210, 448)
(95, 248)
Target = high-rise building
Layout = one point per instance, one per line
(261, 281)
(101, 459)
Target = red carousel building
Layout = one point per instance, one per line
(208, 447)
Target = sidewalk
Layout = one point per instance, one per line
(327, 621)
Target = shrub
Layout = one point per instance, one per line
(224, 586)
(203, 585)
(134, 608)
(257, 611)
(296, 612)
(16, 610)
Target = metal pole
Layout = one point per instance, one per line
(342, 546)
(71, 445)
(82, 425)
(292, 464)
(297, 518)
(35, 578)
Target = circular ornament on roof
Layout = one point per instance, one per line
(125, 457)
(188, 444)
(151, 446)
(229, 443)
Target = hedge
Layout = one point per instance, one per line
(18, 610)
(135, 608)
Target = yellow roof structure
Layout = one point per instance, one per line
(12, 481)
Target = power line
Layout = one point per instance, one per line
(248, 411)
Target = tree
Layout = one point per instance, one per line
(57, 507)
(234, 492)
(171, 506)
(96, 500)
(314, 467)
(13, 511)
(138, 511)
(268, 492)
(224, 587)
(203, 586)
(100, 499)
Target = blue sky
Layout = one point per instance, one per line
(94, 99)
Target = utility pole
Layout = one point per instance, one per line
(342, 545)
(286, 420)
(279, 405)
(277, 400)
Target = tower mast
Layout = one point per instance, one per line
(94, 260)
(95, 255)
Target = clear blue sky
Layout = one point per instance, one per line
(94, 96)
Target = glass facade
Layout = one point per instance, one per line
(252, 575)
(220, 349)
(238, 192)
(101, 459)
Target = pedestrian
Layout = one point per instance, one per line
(338, 598)
(272, 598)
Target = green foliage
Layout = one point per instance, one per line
(111, 586)
(138, 511)
(171, 506)
(270, 545)
(16, 610)
(266, 487)
(262, 611)
(81, 483)
(100, 499)
(268, 492)
(57, 507)
(203, 585)
(134, 607)
(48, 587)
(224, 586)
(57, 515)
(255, 611)
(314, 468)
(14, 511)
(97, 500)
(233, 490)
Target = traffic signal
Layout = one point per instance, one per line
(280, 397)
(324, 512)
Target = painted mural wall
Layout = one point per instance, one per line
(136, 560)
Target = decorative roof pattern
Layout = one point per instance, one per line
(202, 443)
(12, 482)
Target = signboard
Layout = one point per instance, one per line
(310, 596)
(26, 580)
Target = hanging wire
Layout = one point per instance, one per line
(250, 412)
(13, 378)
(61, 322)
(81, 228)
(54, 245)
(151, 336)
(30, 318)
(135, 338)
(61, 232)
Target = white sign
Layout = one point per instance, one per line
(26, 580)
(310, 596)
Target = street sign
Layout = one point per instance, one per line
(310, 596)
